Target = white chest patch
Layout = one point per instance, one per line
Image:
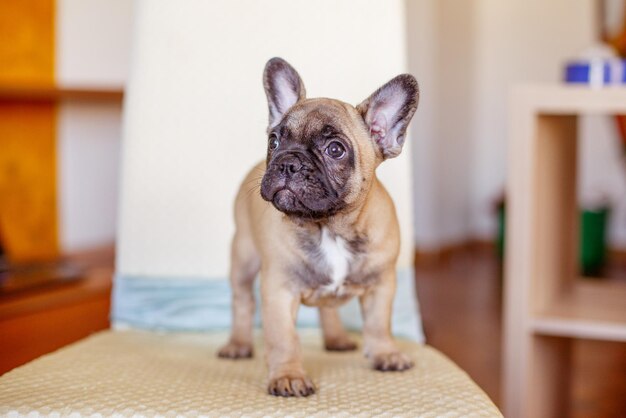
(337, 257)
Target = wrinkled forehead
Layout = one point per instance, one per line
(309, 117)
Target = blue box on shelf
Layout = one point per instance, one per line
(596, 72)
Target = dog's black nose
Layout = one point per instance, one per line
(287, 165)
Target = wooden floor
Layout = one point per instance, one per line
(461, 305)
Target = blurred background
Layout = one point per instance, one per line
(64, 69)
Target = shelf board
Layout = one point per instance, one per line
(563, 99)
(590, 309)
(96, 267)
(51, 94)
(579, 328)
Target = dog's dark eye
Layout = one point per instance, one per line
(273, 142)
(335, 150)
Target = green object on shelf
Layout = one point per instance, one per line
(592, 249)
(593, 239)
(501, 229)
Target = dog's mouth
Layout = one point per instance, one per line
(286, 198)
(287, 201)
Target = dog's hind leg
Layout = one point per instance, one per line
(335, 336)
(244, 267)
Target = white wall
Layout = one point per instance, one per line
(88, 150)
(93, 42)
(441, 41)
(196, 114)
(516, 41)
(456, 90)
(422, 56)
(92, 50)
(467, 55)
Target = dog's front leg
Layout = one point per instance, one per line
(280, 307)
(376, 306)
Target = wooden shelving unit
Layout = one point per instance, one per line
(547, 304)
(16, 93)
(28, 125)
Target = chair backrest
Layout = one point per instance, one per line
(195, 119)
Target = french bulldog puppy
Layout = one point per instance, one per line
(323, 229)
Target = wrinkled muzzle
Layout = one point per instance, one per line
(297, 187)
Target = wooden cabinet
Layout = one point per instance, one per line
(37, 321)
(547, 304)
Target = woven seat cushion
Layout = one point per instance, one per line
(131, 373)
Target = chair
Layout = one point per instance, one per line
(195, 118)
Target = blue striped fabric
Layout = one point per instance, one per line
(178, 304)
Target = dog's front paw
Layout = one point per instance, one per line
(291, 385)
(394, 361)
(340, 344)
(234, 350)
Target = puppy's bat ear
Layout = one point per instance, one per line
(388, 111)
(283, 88)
